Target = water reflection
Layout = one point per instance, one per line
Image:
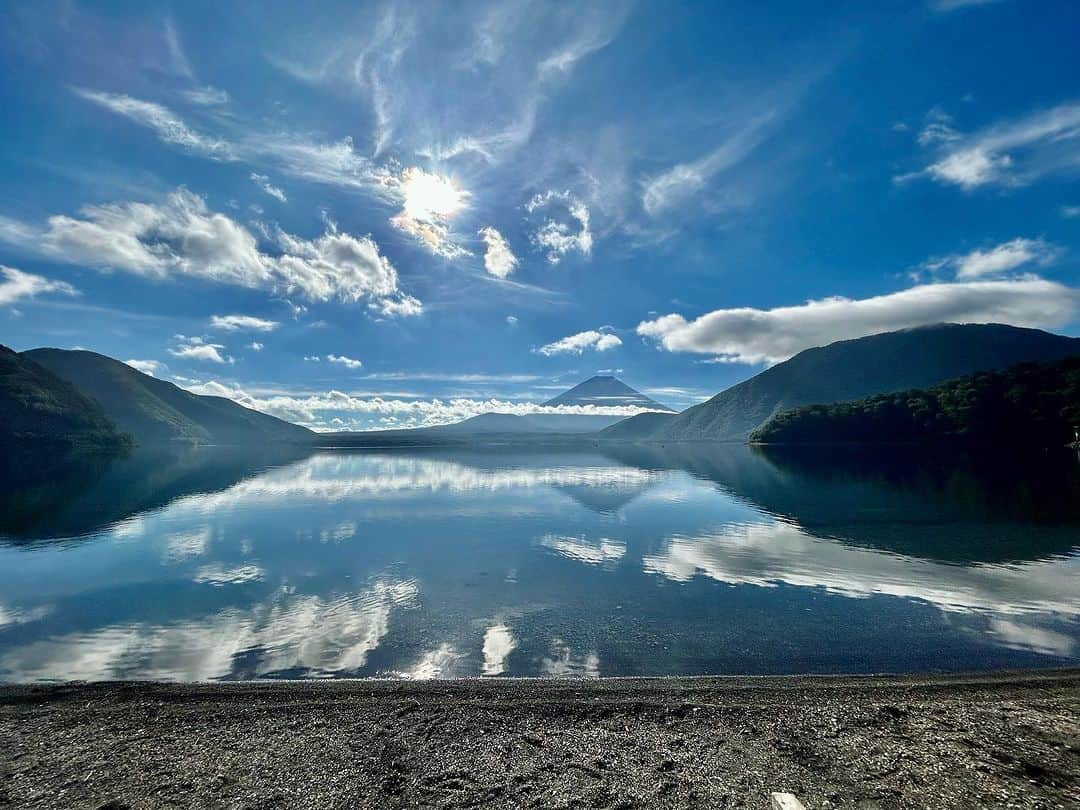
(204, 565)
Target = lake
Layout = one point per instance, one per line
(204, 564)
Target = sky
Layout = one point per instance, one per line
(363, 215)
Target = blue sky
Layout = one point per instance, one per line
(404, 213)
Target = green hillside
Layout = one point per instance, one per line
(155, 411)
(1030, 404)
(36, 405)
(853, 369)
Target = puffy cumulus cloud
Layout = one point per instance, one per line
(429, 202)
(339, 265)
(564, 227)
(342, 360)
(180, 236)
(1010, 153)
(151, 367)
(597, 340)
(317, 410)
(236, 323)
(999, 260)
(16, 285)
(196, 348)
(748, 335)
(263, 182)
(255, 346)
(168, 126)
(499, 259)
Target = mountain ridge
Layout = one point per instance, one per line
(852, 369)
(153, 411)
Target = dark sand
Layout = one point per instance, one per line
(1008, 740)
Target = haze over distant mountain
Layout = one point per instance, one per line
(154, 411)
(607, 391)
(37, 405)
(852, 369)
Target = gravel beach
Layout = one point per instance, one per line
(1010, 740)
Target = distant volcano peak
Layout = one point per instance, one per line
(604, 390)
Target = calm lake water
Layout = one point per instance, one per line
(207, 565)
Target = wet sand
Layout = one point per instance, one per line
(879, 742)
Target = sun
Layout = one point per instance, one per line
(431, 197)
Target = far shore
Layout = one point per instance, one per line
(941, 741)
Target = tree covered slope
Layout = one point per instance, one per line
(155, 411)
(36, 405)
(853, 369)
(1035, 404)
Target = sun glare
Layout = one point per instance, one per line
(431, 197)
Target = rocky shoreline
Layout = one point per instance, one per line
(866, 742)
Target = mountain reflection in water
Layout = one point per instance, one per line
(206, 564)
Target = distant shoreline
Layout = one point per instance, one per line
(893, 740)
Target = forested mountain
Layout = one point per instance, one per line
(154, 411)
(36, 405)
(1035, 404)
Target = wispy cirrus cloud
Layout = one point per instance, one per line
(263, 182)
(1016, 152)
(600, 340)
(684, 181)
(998, 260)
(166, 124)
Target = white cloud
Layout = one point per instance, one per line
(1004, 258)
(263, 182)
(182, 237)
(235, 323)
(768, 554)
(342, 360)
(568, 233)
(195, 348)
(316, 410)
(748, 335)
(511, 320)
(499, 259)
(498, 644)
(682, 182)
(255, 346)
(168, 126)
(602, 551)
(597, 340)
(952, 5)
(1011, 153)
(16, 285)
(1070, 211)
(151, 367)
(429, 203)
(207, 96)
